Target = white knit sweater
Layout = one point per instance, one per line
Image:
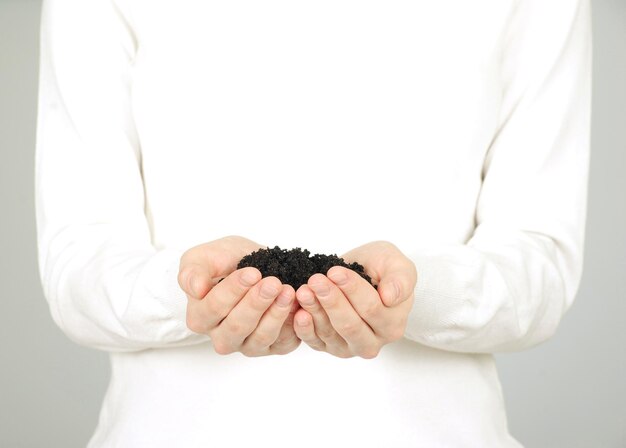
(457, 130)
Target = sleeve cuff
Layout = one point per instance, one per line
(158, 283)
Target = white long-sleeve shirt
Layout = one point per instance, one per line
(459, 131)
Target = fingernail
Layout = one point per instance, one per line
(338, 277)
(320, 289)
(249, 278)
(284, 300)
(268, 291)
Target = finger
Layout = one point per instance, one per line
(323, 327)
(202, 265)
(365, 300)
(270, 324)
(396, 286)
(344, 319)
(386, 322)
(246, 315)
(394, 272)
(287, 340)
(303, 326)
(195, 280)
(208, 312)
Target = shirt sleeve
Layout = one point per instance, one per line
(107, 285)
(508, 286)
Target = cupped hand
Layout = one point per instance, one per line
(345, 315)
(244, 312)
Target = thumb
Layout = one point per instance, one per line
(195, 280)
(395, 272)
(389, 292)
(396, 288)
(202, 265)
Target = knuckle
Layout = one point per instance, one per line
(235, 286)
(387, 245)
(249, 352)
(344, 354)
(299, 332)
(231, 239)
(286, 346)
(370, 310)
(325, 333)
(349, 328)
(221, 347)
(214, 311)
(272, 281)
(330, 303)
(283, 350)
(369, 352)
(232, 326)
(396, 333)
(278, 315)
(285, 340)
(263, 339)
(260, 304)
(350, 287)
(307, 336)
(195, 323)
(256, 304)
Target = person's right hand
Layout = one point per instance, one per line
(244, 312)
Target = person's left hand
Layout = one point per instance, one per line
(344, 315)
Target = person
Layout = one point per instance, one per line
(442, 145)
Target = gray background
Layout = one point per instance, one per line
(568, 392)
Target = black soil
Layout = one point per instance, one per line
(294, 267)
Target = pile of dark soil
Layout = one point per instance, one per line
(295, 266)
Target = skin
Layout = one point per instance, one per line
(344, 315)
(339, 313)
(242, 313)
